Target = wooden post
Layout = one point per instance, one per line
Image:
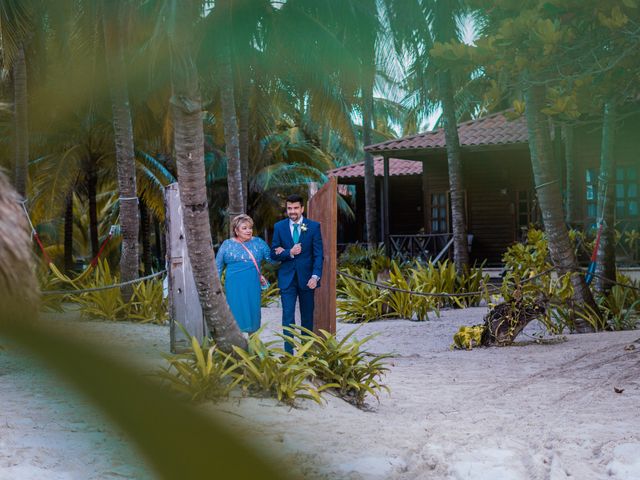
(385, 188)
(184, 304)
(323, 207)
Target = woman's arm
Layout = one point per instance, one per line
(220, 257)
(266, 251)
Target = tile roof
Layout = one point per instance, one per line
(397, 167)
(493, 129)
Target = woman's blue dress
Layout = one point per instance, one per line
(242, 283)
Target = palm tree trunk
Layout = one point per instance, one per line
(371, 213)
(550, 201)
(456, 182)
(125, 155)
(92, 184)
(569, 157)
(243, 136)
(145, 234)
(158, 243)
(21, 124)
(186, 109)
(231, 138)
(606, 256)
(68, 234)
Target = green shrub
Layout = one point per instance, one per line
(50, 303)
(104, 304)
(342, 363)
(321, 362)
(360, 256)
(204, 373)
(360, 302)
(268, 370)
(148, 304)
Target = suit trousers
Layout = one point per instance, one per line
(306, 299)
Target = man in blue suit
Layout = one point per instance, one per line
(297, 243)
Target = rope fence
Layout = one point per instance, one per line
(104, 287)
(470, 294)
(489, 288)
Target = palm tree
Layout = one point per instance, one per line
(550, 201)
(417, 26)
(186, 108)
(15, 30)
(606, 255)
(125, 154)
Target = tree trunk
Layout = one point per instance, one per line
(145, 233)
(125, 155)
(186, 110)
(158, 243)
(68, 234)
(231, 139)
(243, 136)
(606, 256)
(569, 157)
(445, 31)
(20, 120)
(92, 185)
(456, 182)
(550, 201)
(371, 213)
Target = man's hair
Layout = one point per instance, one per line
(295, 198)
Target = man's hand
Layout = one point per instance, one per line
(296, 249)
(279, 250)
(312, 283)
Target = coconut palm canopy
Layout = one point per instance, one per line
(287, 91)
(294, 71)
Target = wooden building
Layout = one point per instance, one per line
(499, 187)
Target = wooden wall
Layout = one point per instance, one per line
(493, 180)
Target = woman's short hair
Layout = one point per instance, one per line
(239, 220)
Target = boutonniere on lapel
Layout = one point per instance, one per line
(303, 227)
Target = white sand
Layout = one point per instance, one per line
(527, 412)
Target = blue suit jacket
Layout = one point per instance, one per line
(307, 263)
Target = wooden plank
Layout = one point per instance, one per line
(184, 304)
(323, 208)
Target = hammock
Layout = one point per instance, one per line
(52, 266)
(602, 190)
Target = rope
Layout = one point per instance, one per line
(615, 282)
(470, 294)
(128, 198)
(546, 184)
(105, 287)
(430, 294)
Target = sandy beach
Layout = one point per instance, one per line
(533, 411)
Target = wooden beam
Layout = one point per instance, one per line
(323, 207)
(184, 304)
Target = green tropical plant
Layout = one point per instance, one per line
(203, 373)
(360, 302)
(105, 304)
(148, 303)
(343, 364)
(269, 370)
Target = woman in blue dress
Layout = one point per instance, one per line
(242, 284)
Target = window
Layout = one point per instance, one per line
(626, 191)
(439, 213)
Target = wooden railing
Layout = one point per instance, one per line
(422, 246)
